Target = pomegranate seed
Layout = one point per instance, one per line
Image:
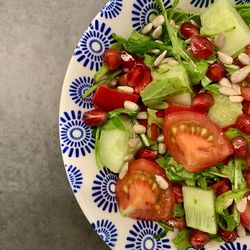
(154, 131)
(227, 236)
(238, 63)
(198, 238)
(123, 80)
(112, 58)
(248, 78)
(188, 30)
(147, 153)
(160, 114)
(203, 101)
(246, 107)
(177, 222)
(95, 117)
(127, 60)
(222, 189)
(177, 189)
(243, 123)
(240, 146)
(201, 47)
(216, 71)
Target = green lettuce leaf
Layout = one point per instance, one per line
(244, 10)
(181, 240)
(178, 210)
(167, 80)
(233, 132)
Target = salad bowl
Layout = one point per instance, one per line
(94, 188)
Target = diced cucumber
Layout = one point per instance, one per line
(200, 209)
(223, 17)
(224, 112)
(113, 144)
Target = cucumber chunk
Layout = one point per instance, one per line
(223, 17)
(224, 112)
(200, 209)
(113, 144)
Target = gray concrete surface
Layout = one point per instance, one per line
(37, 207)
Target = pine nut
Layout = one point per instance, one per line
(224, 58)
(237, 88)
(172, 22)
(194, 23)
(240, 75)
(159, 59)
(160, 138)
(147, 28)
(126, 89)
(248, 197)
(131, 106)
(163, 184)
(227, 91)
(242, 205)
(112, 83)
(157, 32)
(228, 203)
(123, 170)
(158, 21)
(159, 41)
(224, 82)
(133, 142)
(236, 98)
(220, 41)
(139, 129)
(172, 62)
(155, 51)
(241, 231)
(142, 116)
(162, 148)
(128, 157)
(244, 58)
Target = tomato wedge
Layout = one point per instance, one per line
(195, 141)
(245, 92)
(140, 197)
(109, 99)
(245, 217)
(177, 108)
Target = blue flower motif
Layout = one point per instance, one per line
(242, 1)
(201, 3)
(107, 231)
(95, 40)
(76, 138)
(143, 10)
(142, 237)
(75, 177)
(111, 9)
(234, 246)
(77, 89)
(104, 190)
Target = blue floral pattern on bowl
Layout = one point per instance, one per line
(142, 237)
(242, 1)
(78, 87)
(144, 10)
(95, 40)
(201, 3)
(75, 177)
(107, 231)
(234, 246)
(76, 138)
(104, 190)
(111, 9)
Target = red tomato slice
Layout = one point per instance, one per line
(177, 188)
(245, 92)
(195, 141)
(110, 99)
(140, 197)
(221, 186)
(139, 77)
(245, 217)
(172, 108)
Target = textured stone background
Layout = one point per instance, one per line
(37, 207)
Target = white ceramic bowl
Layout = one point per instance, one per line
(94, 188)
